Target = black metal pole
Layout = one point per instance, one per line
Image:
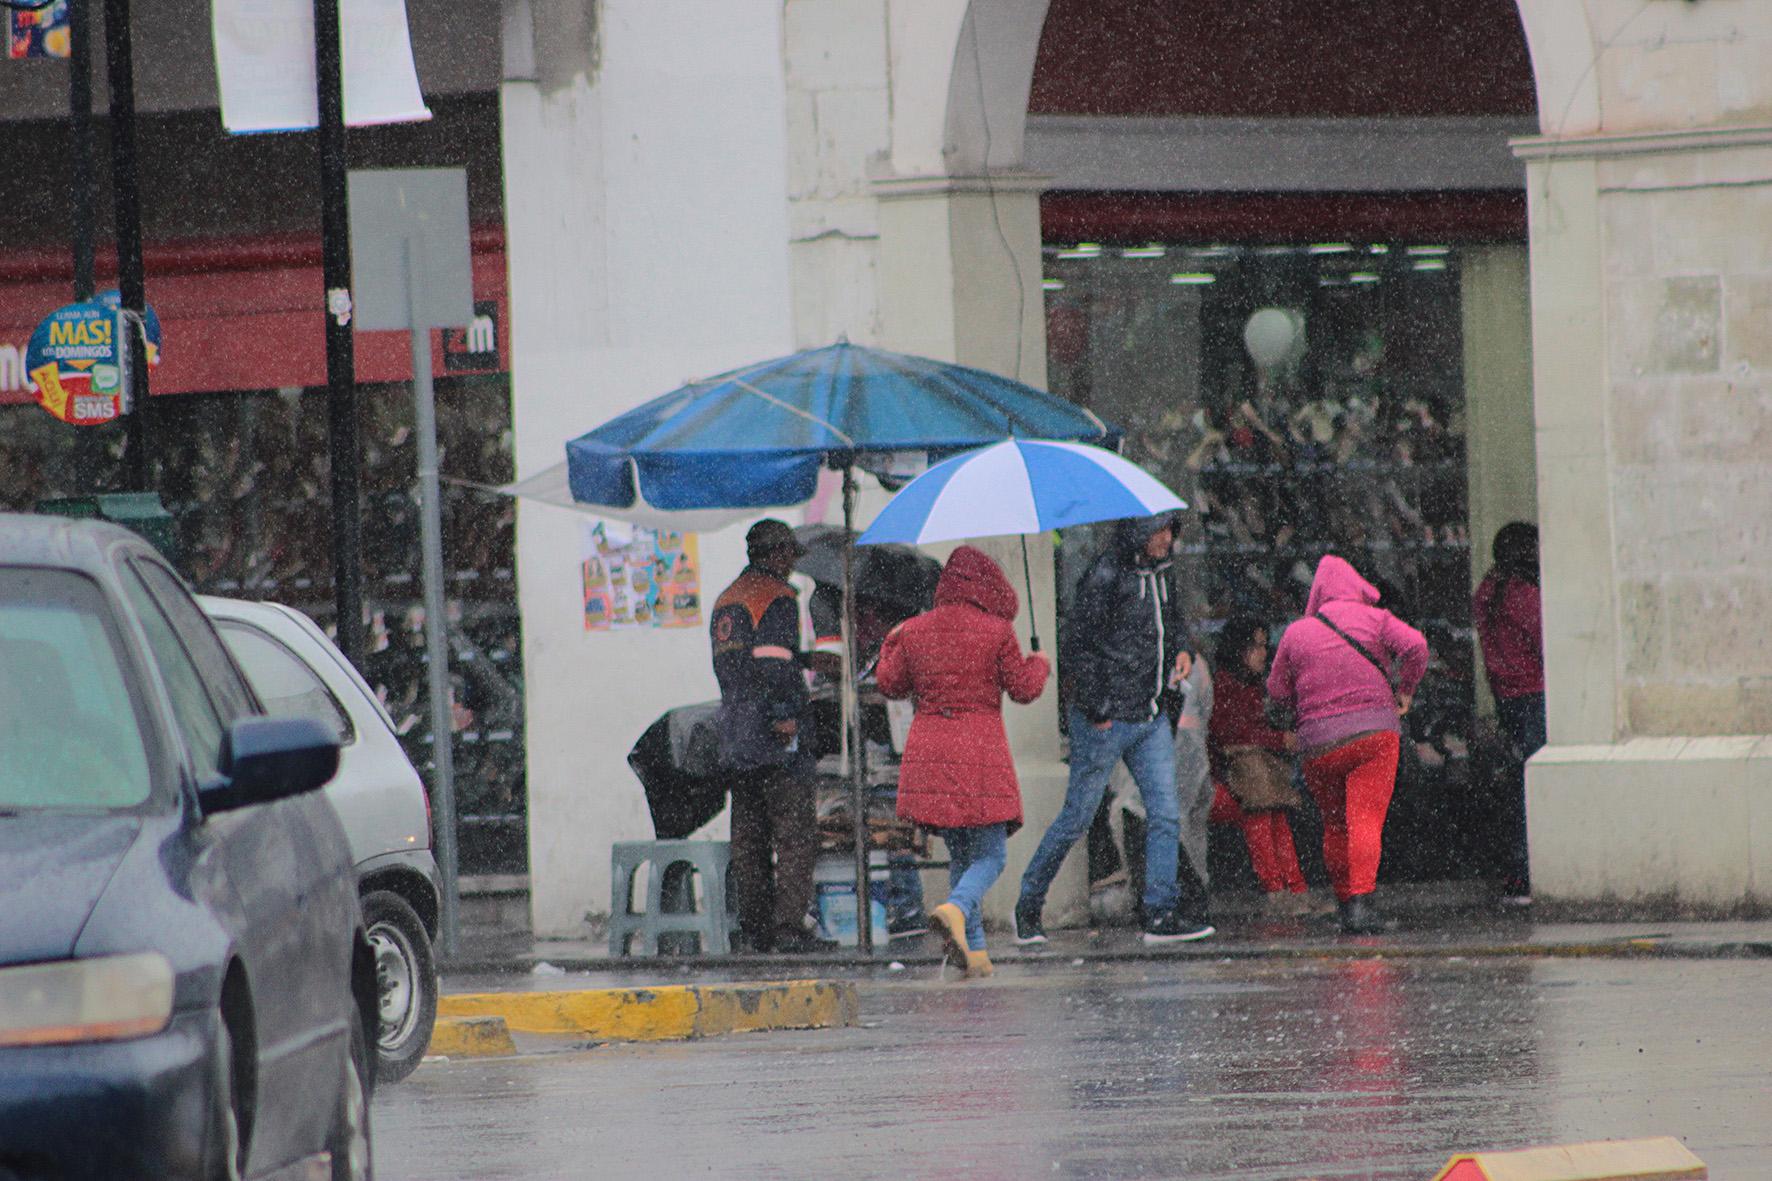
(341, 377)
(131, 283)
(858, 768)
(85, 187)
(1027, 577)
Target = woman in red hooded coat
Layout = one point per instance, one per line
(957, 775)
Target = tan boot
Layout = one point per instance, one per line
(978, 965)
(950, 924)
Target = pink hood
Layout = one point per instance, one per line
(1337, 691)
(1336, 580)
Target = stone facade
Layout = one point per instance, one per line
(1651, 235)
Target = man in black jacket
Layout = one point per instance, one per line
(755, 630)
(1125, 644)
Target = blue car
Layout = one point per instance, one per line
(185, 985)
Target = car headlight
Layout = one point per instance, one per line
(98, 1000)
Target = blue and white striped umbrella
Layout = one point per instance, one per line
(1020, 486)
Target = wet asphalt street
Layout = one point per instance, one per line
(1259, 1070)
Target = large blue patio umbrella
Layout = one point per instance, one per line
(756, 438)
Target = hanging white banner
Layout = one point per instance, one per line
(264, 59)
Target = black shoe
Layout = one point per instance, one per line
(912, 922)
(1171, 927)
(1027, 925)
(801, 943)
(1360, 917)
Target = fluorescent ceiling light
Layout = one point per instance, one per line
(1426, 251)
(1362, 277)
(1431, 264)
(1151, 251)
(1330, 247)
(1193, 278)
(1379, 249)
(1052, 284)
(1082, 250)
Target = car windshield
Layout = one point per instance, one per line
(69, 734)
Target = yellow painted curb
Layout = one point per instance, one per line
(471, 1037)
(662, 1014)
(1659, 1159)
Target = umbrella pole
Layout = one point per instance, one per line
(1027, 577)
(858, 789)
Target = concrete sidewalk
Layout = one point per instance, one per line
(1431, 922)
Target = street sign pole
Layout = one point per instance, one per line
(131, 282)
(341, 376)
(436, 621)
(81, 181)
(413, 266)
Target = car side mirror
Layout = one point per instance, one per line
(266, 759)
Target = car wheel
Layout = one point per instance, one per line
(405, 983)
(224, 1119)
(349, 1141)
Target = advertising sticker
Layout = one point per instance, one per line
(74, 361)
(636, 577)
(41, 32)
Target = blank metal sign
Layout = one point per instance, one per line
(429, 208)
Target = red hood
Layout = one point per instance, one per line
(972, 579)
(1336, 581)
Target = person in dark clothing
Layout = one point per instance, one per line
(755, 629)
(1126, 644)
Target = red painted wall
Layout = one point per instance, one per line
(1283, 58)
(239, 314)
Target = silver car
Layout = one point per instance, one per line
(380, 798)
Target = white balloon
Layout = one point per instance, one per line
(1274, 337)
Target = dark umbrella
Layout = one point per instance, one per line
(677, 765)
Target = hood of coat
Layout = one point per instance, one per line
(1132, 534)
(1336, 581)
(972, 579)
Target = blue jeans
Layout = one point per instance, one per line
(1149, 751)
(975, 862)
(904, 886)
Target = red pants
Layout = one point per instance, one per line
(1352, 785)
(1269, 838)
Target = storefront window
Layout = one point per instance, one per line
(1305, 398)
(246, 477)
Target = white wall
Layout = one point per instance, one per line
(647, 235)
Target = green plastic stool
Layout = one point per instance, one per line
(635, 932)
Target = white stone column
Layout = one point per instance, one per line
(1652, 309)
(645, 163)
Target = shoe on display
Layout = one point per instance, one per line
(911, 922)
(1028, 930)
(1360, 917)
(950, 924)
(1171, 927)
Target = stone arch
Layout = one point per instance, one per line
(1560, 38)
(961, 76)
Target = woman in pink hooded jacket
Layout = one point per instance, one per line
(1349, 710)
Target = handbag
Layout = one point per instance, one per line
(1259, 779)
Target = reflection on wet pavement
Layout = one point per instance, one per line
(1260, 1071)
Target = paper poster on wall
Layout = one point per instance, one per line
(637, 577)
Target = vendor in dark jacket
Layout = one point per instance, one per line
(755, 628)
(1126, 643)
